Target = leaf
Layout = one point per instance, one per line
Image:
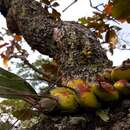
(83, 20)
(116, 27)
(18, 38)
(111, 38)
(103, 114)
(5, 59)
(12, 86)
(108, 9)
(55, 4)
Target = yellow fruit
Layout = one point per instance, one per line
(88, 99)
(106, 92)
(120, 73)
(67, 99)
(61, 90)
(78, 85)
(122, 86)
(86, 96)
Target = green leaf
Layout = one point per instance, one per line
(83, 20)
(116, 27)
(103, 114)
(12, 86)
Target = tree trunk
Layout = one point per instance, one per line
(78, 55)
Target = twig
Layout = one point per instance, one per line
(11, 127)
(95, 7)
(45, 76)
(69, 5)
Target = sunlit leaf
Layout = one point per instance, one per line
(83, 20)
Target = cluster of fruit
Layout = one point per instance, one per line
(110, 86)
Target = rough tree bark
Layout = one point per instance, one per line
(64, 41)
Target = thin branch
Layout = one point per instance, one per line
(96, 7)
(45, 76)
(69, 5)
(11, 127)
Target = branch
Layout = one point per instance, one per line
(69, 5)
(44, 75)
(60, 40)
(95, 7)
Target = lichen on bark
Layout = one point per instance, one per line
(67, 42)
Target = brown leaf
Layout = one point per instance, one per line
(108, 9)
(18, 38)
(111, 38)
(5, 59)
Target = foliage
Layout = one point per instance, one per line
(19, 109)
